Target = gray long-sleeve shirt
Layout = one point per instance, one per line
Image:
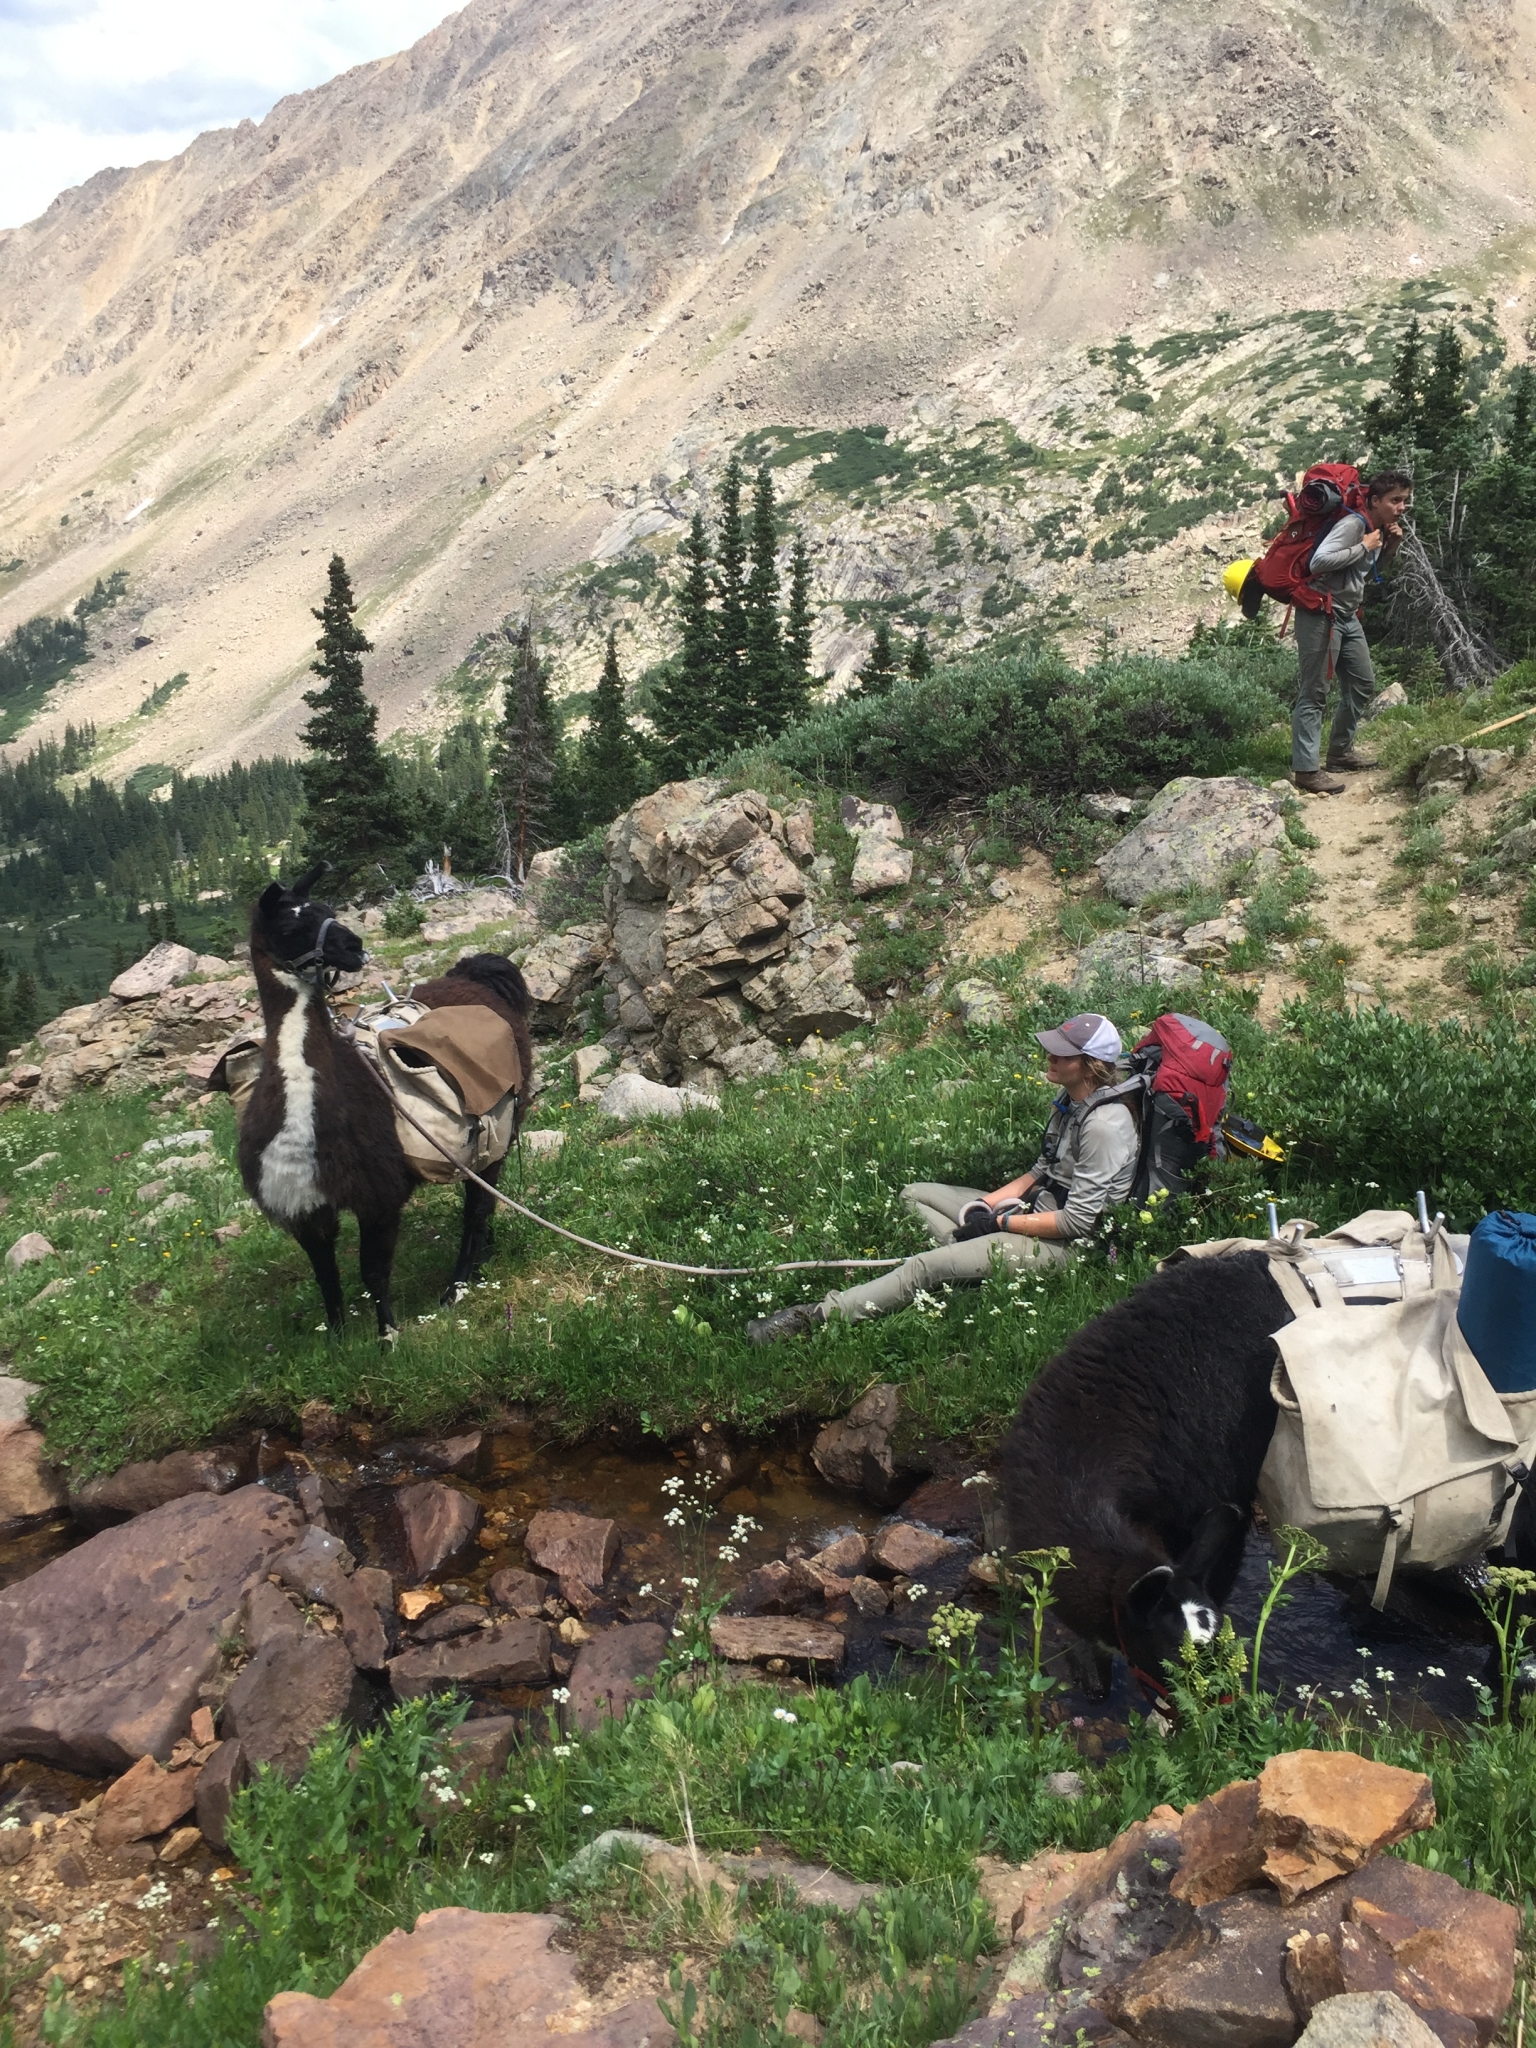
(1341, 563)
(1096, 1162)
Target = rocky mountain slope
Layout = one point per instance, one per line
(499, 305)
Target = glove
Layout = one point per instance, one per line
(977, 1219)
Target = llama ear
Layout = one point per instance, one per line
(1147, 1594)
(1220, 1528)
(271, 899)
(300, 888)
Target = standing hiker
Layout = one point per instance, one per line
(1087, 1163)
(1330, 640)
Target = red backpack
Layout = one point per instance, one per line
(1328, 491)
(1186, 1065)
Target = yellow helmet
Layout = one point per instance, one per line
(1234, 576)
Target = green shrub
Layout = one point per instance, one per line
(403, 916)
(982, 726)
(887, 958)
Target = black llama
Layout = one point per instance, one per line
(318, 1135)
(1139, 1448)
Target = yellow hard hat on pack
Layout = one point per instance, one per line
(1234, 576)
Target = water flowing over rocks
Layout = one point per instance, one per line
(102, 1652)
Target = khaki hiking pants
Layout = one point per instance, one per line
(1316, 636)
(937, 1207)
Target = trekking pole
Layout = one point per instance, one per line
(1423, 1213)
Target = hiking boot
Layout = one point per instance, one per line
(793, 1321)
(1316, 783)
(1351, 762)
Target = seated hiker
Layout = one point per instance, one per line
(1087, 1163)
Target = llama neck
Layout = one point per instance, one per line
(280, 991)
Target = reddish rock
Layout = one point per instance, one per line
(855, 1451)
(472, 1980)
(773, 1589)
(869, 1596)
(448, 1622)
(743, 1640)
(269, 1612)
(953, 1505)
(578, 1595)
(480, 1749)
(844, 1559)
(1322, 1813)
(456, 1454)
(292, 1688)
(218, 1782)
(904, 1551)
(29, 1485)
(508, 1653)
(1312, 1970)
(376, 1587)
(137, 1489)
(314, 1570)
(437, 1522)
(146, 1800)
(102, 1652)
(520, 1592)
(579, 1546)
(611, 1670)
(1220, 1852)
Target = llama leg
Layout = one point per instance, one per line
(316, 1234)
(475, 1237)
(376, 1238)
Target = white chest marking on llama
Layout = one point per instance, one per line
(289, 1186)
(1200, 1621)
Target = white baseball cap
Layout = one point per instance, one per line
(1088, 1037)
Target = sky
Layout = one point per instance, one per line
(85, 84)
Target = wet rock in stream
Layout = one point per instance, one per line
(292, 1688)
(508, 1653)
(436, 1522)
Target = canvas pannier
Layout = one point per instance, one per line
(1390, 1445)
(456, 1070)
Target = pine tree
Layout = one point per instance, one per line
(355, 817)
(524, 759)
(1501, 527)
(611, 771)
(1392, 420)
(686, 696)
(766, 675)
(24, 1008)
(797, 626)
(734, 716)
(1443, 415)
(920, 659)
(879, 671)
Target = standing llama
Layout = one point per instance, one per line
(318, 1134)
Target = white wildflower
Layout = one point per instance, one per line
(560, 1695)
(783, 1714)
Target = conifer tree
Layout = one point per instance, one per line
(797, 626)
(1443, 414)
(735, 715)
(1393, 419)
(879, 671)
(920, 658)
(524, 759)
(611, 771)
(767, 678)
(355, 817)
(685, 701)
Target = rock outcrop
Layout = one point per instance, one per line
(1195, 832)
(102, 1652)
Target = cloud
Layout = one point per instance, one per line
(85, 84)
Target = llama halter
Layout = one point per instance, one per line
(311, 966)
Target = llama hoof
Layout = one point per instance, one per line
(391, 1336)
(455, 1292)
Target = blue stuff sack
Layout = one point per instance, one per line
(1497, 1312)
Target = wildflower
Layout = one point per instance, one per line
(691, 1584)
(783, 1714)
(560, 1695)
(1387, 1677)
(645, 1591)
(158, 1895)
(673, 1518)
(915, 1591)
(672, 1485)
(530, 1802)
(1434, 1671)
(486, 1856)
(563, 1749)
(587, 1809)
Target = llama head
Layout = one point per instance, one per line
(1174, 1602)
(300, 934)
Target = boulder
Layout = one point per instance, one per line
(1107, 809)
(855, 1451)
(560, 969)
(146, 1800)
(269, 1612)
(138, 1488)
(1517, 848)
(29, 1250)
(1487, 764)
(612, 1670)
(15, 1397)
(771, 1589)
(217, 1783)
(449, 1622)
(480, 1748)
(1194, 832)
(1322, 1813)
(520, 1592)
(507, 1653)
(292, 1688)
(904, 1550)
(102, 1652)
(1367, 2019)
(29, 1485)
(979, 1003)
(768, 1638)
(633, 1099)
(1447, 764)
(1134, 956)
(1392, 698)
(868, 1596)
(844, 1559)
(475, 1980)
(878, 865)
(161, 967)
(1220, 1850)
(572, 1546)
(436, 1522)
(542, 1144)
(317, 1570)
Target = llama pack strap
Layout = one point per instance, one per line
(456, 1071)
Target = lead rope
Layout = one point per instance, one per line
(608, 1250)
